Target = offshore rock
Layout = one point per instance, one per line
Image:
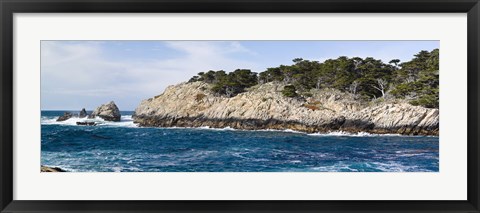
(83, 113)
(65, 116)
(264, 107)
(108, 112)
(86, 123)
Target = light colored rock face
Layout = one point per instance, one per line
(264, 107)
(108, 112)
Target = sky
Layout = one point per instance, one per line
(86, 74)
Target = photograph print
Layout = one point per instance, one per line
(239, 106)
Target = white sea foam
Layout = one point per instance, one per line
(205, 128)
(391, 166)
(330, 134)
(411, 155)
(348, 134)
(280, 130)
(338, 167)
(388, 166)
(125, 121)
(228, 128)
(425, 153)
(117, 169)
(218, 129)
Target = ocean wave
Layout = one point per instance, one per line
(202, 127)
(216, 129)
(348, 134)
(395, 167)
(125, 121)
(388, 166)
(329, 134)
(228, 128)
(415, 153)
(280, 130)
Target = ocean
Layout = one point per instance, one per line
(124, 147)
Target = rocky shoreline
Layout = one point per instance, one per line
(264, 107)
(341, 124)
(51, 169)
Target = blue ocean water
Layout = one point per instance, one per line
(124, 147)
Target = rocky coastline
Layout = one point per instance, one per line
(264, 107)
(51, 169)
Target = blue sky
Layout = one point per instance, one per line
(85, 74)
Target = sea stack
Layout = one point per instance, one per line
(108, 112)
(83, 113)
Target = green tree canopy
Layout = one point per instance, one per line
(415, 80)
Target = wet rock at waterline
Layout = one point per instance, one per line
(65, 116)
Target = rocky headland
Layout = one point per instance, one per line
(264, 107)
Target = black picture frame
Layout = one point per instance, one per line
(9, 7)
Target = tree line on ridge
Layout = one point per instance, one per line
(368, 78)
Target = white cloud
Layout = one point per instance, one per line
(82, 72)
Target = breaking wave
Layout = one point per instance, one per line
(348, 134)
(125, 121)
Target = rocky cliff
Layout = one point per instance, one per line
(264, 107)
